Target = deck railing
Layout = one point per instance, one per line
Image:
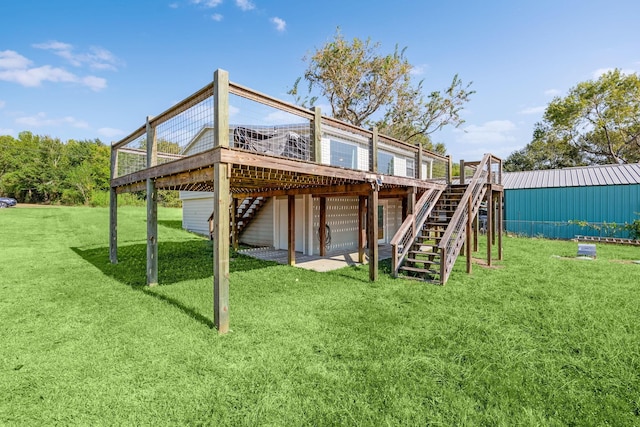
(487, 171)
(407, 233)
(280, 129)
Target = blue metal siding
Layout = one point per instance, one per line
(547, 211)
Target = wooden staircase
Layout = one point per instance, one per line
(427, 248)
(423, 259)
(248, 208)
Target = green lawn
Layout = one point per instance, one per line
(541, 340)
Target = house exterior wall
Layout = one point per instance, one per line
(547, 211)
(196, 209)
(259, 232)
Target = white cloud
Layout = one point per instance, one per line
(6, 131)
(96, 58)
(280, 24)
(41, 119)
(245, 4)
(217, 17)
(207, 3)
(2, 103)
(281, 118)
(492, 132)
(94, 83)
(552, 92)
(15, 68)
(233, 111)
(110, 132)
(533, 110)
(174, 5)
(418, 70)
(10, 59)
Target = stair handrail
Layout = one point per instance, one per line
(406, 234)
(453, 236)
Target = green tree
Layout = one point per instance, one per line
(360, 84)
(598, 122)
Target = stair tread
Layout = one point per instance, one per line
(419, 270)
(423, 261)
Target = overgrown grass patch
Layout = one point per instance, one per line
(540, 340)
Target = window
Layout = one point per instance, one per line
(411, 168)
(385, 163)
(343, 154)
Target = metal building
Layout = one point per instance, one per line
(547, 203)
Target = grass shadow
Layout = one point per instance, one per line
(175, 224)
(177, 262)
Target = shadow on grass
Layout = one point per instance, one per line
(177, 262)
(175, 224)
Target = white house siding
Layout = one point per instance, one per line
(259, 232)
(196, 209)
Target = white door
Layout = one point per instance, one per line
(282, 222)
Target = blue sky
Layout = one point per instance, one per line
(96, 69)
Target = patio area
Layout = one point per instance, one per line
(314, 262)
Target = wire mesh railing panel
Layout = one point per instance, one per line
(186, 132)
(265, 129)
(132, 156)
(434, 168)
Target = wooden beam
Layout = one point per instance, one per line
(221, 249)
(372, 232)
(489, 222)
(185, 178)
(468, 232)
(373, 161)
(317, 134)
(291, 232)
(113, 226)
(419, 160)
(235, 236)
(113, 212)
(462, 172)
(152, 233)
(362, 231)
(221, 206)
(500, 222)
(322, 227)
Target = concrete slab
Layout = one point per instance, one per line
(315, 262)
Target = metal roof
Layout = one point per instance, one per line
(583, 176)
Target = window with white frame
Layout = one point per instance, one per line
(343, 154)
(411, 168)
(385, 163)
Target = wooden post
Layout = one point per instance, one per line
(411, 201)
(322, 227)
(468, 230)
(372, 224)
(500, 219)
(449, 170)
(373, 161)
(113, 211)
(221, 185)
(420, 175)
(462, 177)
(291, 244)
(476, 226)
(317, 134)
(152, 208)
(235, 235)
(489, 222)
(362, 232)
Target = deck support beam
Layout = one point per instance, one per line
(322, 227)
(468, 232)
(362, 230)
(152, 208)
(372, 224)
(221, 189)
(113, 212)
(291, 232)
(489, 223)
